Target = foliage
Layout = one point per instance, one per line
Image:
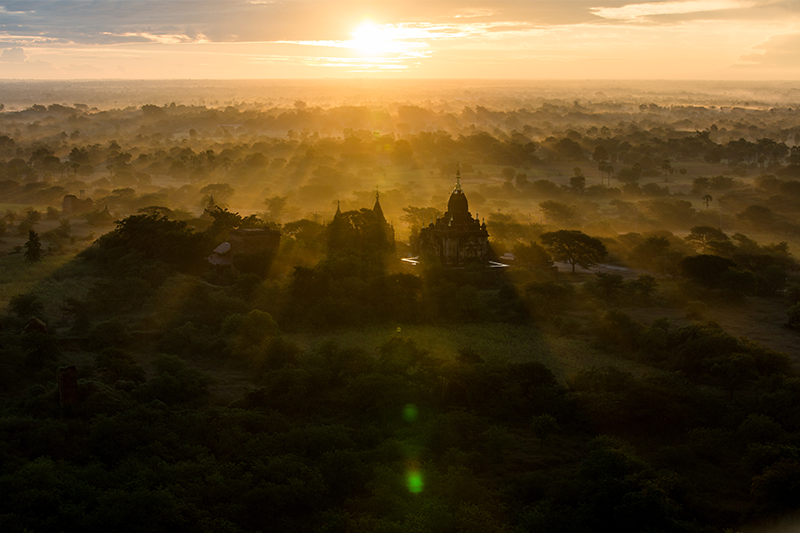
(532, 255)
(26, 306)
(549, 298)
(794, 316)
(542, 426)
(33, 247)
(703, 236)
(145, 238)
(109, 334)
(706, 269)
(301, 434)
(114, 364)
(574, 247)
(359, 231)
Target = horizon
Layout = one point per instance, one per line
(442, 94)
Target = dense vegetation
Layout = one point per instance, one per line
(298, 392)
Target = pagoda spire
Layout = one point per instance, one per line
(377, 209)
(458, 177)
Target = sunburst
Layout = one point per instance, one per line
(373, 40)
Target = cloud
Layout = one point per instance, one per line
(778, 52)
(42, 22)
(45, 22)
(13, 55)
(28, 69)
(83, 70)
(633, 12)
(511, 37)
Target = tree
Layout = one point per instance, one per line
(577, 184)
(702, 236)
(706, 269)
(532, 255)
(558, 213)
(655, 254)
(26, 305)
(148, 237)
(762, 218)
(275, 207)
(220, 192)
(610, 285)
(666, 166)
(630, 174)
(645, 285)
(707, 199)
(600, 153)
(574, 247)
(419, 217)
(794, 316)
(33, 248)
(605, 168)
(542, 426)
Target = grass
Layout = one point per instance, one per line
(508, 342)
(18, 276)
(759, 319)
(21, 207)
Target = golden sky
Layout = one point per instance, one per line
(502, 39)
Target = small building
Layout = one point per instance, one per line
(221, 255)
(246, 242)
(254, 240)
(456, 238)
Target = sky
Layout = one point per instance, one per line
(409, 39)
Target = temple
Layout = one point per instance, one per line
(365, 230)
(456, 238)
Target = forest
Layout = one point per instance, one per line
(634, 362)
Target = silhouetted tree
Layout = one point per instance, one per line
(574, 247)
(702, 236)
(33, 247)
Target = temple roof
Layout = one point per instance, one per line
(458, 206)
(377, 209)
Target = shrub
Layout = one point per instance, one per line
(26, 306)
(111, 333)
(793, 316)
(115, 365)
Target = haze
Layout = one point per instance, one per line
(536, 39)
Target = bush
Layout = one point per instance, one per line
(793, 316)
(26, 306)
(707, 270)
(115, 364)
(548, 298)
(111, 333)
(619, 332)
(176, 383)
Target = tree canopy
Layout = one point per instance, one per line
(574, 247)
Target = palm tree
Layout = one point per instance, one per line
(666, 166)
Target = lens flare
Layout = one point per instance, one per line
(410, 413)
(414, 481)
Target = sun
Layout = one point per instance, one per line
(372, 39)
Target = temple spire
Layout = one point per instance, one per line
(377, 209)
(458, 177)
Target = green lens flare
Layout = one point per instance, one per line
(415, 482)
(410, 413)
